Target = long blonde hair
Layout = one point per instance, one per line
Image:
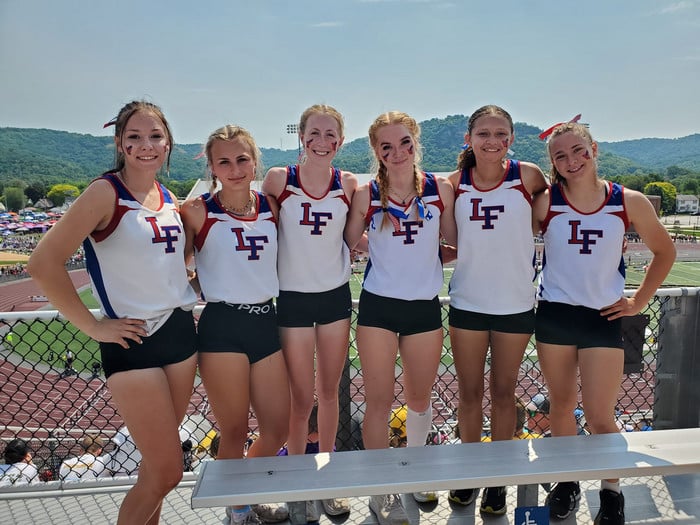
(387, 119)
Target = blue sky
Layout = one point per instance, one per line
(631, 67)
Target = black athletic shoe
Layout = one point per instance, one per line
(463, 496)
(612, 508)
(563, 499)
(493, 501)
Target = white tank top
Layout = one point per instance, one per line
(583, 263)
(494, 272)
(313, 256)
(136, 264)
(404, 254)
(236, 257)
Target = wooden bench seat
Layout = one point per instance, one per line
(472, 465)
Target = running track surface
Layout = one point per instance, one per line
(15, 296)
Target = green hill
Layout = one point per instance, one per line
(53, 156)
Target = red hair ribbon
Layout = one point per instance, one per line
(547, 132)
(112, 122)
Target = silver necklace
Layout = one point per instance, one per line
(244, 210)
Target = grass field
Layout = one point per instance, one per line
(682, 274)
(47, 341)
(42, 341)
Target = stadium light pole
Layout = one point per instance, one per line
(293, 129)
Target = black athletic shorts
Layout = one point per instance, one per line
(566, 324)
(398, 315)
(300, 309)
(522, 323)
(172, 343)
(249, 329)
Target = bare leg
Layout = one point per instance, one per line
(560, 365)
(270, 398)
(378, 349)
(298, 345)
(507, 352)
(154, 428)
(331, 353)
(469, 348)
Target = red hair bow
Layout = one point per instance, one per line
(547, 132)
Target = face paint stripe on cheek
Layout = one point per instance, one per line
(308, 142)
(385, 156)
(128, 149)
(587, 155)
(334, 145)
(505, 143)
(411, 149)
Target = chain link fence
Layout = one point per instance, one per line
(54, 393)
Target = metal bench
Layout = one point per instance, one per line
(472, 465)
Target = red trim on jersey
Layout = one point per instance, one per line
(204, 231)
(117, 214)
(503, 178)
(328, 189)
(549, 216)
(608, 196)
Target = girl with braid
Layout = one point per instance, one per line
(404, 210)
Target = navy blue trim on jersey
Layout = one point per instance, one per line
(93, 269)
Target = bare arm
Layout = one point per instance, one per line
(643, 217)
(533, 178)
(349, 184)
(540, 205)
(448, 226)
(91, 211)
(193, 214)
(274, 182)
(355, 224)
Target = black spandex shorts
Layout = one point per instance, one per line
(172, 343)
(398, 315)
(522, 323)
(249, 329)
(566, 324)
(299, 309)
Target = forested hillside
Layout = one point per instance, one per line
(52, 157)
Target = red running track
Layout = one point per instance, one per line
(15, 296)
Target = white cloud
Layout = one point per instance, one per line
(678, 6)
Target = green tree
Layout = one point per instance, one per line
(666, 191)
(14, 199)
(59, 192)
(35, 191)
(16, 183)
(673, 172)
(691, 186)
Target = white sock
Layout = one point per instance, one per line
(418, 426)
(610, 485)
